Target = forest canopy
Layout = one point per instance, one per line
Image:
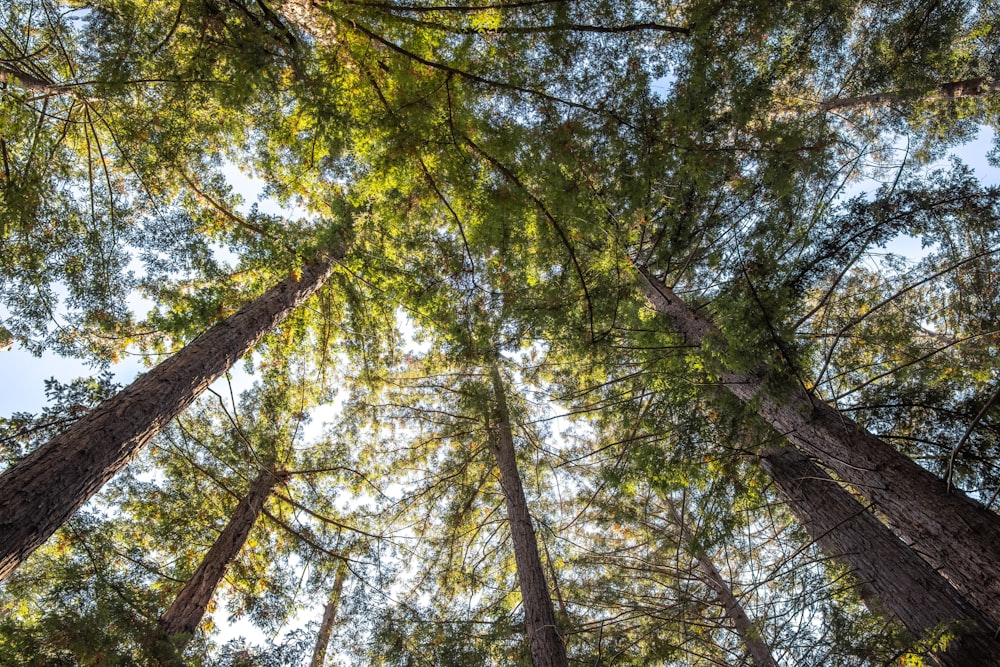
(575, 334)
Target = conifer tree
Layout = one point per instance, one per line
(44, 489)
(910, 590)
(943, 525)
(547, 646)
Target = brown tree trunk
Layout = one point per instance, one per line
(957, 536)
(12, 74)
(946, 91)
(188, 608)
(892, 576)
(329, 617)
(43, 490)
(759, 650)
(547, 647)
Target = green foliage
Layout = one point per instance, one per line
(22, 432)
(79, 601)
(495, 171)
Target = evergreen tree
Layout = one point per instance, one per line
(45, 488)
(505, 167)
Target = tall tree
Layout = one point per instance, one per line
(757, 646)
(44, 489)
(547, 646)
(910, 590)
(329, 617)
(941, 524)
(188, 608)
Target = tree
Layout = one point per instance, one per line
(187, 609)
(945, 91)
(329, 617)
(44, 489)
(547, 647)
(910, 590)
(759, 650)
(903, 345)
(171, 506)
(917, 504)
(209, 458)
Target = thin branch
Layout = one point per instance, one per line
(512, 177)
(923, 357)
(463, 9)
(968, 433)
(392, 46)
(325, 519)
(889, 299)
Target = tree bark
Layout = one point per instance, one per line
(329, 617)
(188, 608)
(30, 82)
(547, 647)
(893, 578)
(44, 489)
(976, 87)
(760, 652)
(957, 536)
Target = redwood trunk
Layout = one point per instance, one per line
(892, 576)
(759, 650)
(39, 493)
(188, 608)
(946, 91)
(329, 617)
(547, 648)
(957, 536)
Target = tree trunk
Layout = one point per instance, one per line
(44, 489)
(892, 576)
(946, 91)
(188, 608)
(12, 74)
(759, 650)
(329, 617)
(957, 536)
(547, 648)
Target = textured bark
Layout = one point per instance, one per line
(329, 617)
(892, 576)
(759, 650)
(946, 91)
(188, 608)
(957, 536)
(43, 490)
(547, 647)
